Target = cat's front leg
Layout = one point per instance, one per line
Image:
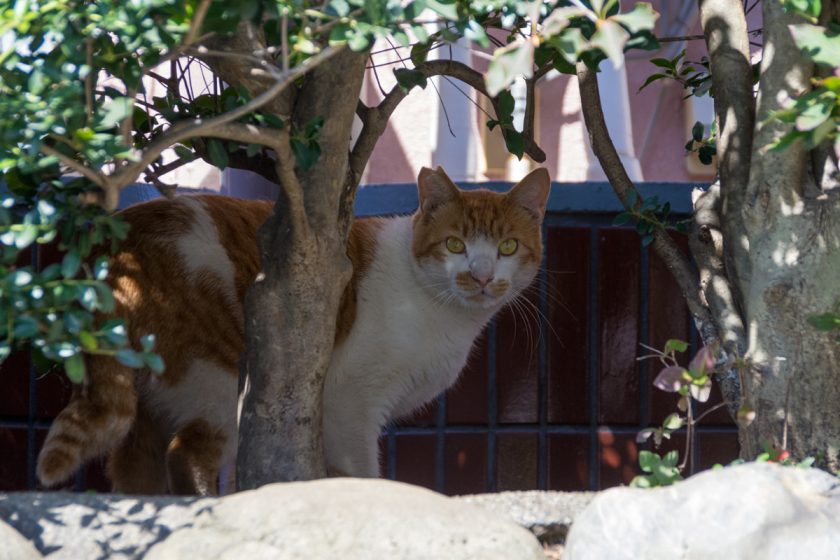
(351, 442)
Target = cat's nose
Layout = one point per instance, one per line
(482, 280)
(481, 270)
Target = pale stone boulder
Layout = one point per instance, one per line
(755, 510)
(13, 546)
(348, 519)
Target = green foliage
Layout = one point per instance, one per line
(827, 322)
(660, 471)
(815, 115)
(697, 82)
(649, 216)
(55, 309)
(566, 34)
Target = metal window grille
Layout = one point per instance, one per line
(593, 450)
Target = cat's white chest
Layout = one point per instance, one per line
(405, 347)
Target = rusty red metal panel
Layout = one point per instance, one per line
(516, 462)
(667, 318)
(619, 456)
(517, 360)
(568, 341)
(54, 390)
(568, 462)
(14, 373)
(465, 464)
(415, 460)
(717, 447)
(13, 464)
(466, 402)
(618, 288)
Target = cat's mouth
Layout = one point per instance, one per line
(487, 296)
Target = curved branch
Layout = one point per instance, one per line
(664, 246)
(375, 119)
(200, 127)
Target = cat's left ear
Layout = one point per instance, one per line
(532, 192)
(435, 188)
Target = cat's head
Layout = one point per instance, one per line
(478, 248)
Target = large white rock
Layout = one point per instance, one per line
(348, 519)
(756, 510)
(13, 546)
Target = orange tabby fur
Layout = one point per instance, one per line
(167, 280)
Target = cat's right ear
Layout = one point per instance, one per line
(434, 188)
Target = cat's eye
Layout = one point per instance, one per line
(455, 245)
(508, 247)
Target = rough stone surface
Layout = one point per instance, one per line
(546, 514)
(68, 525)
(14, 547)
(756, 510)
(337, 518)
(348, 519)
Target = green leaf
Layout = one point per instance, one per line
(515, 142)
(622, 219)
(74, 367)
(70, 264)
(24, 327)
(184, 153)
(808, 8)
(652, 78)
(217, 152)
(154, 362)
(88, 341)
(818, 43)
(697, 131)
(115, 111)
(642, 17)
(509, 62)
(672, 344)
(610, 38)
(671, 459)
(817, 110)
(648, 461)
(130, 358)
(147, 342)
(673, 422)
(409, 78)
(475, 32)
(825, 322)
(706, 153)
(448, 9)
(642, 481)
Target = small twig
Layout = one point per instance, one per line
(89, 85)
(95, 177)
(680, 38)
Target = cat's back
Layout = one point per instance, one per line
(182, 274)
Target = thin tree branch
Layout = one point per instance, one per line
(664, 246)
(375, 119)
(200, 127)
(95, 177)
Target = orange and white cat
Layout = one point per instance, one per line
(423, 288)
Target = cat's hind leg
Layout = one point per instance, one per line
(138, 465)
(194, 457)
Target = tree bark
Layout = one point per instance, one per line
(793, 255)
(291, 308)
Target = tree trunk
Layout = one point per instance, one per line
(291, 309)
(789, 270)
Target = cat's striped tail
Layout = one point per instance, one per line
(97, 419)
